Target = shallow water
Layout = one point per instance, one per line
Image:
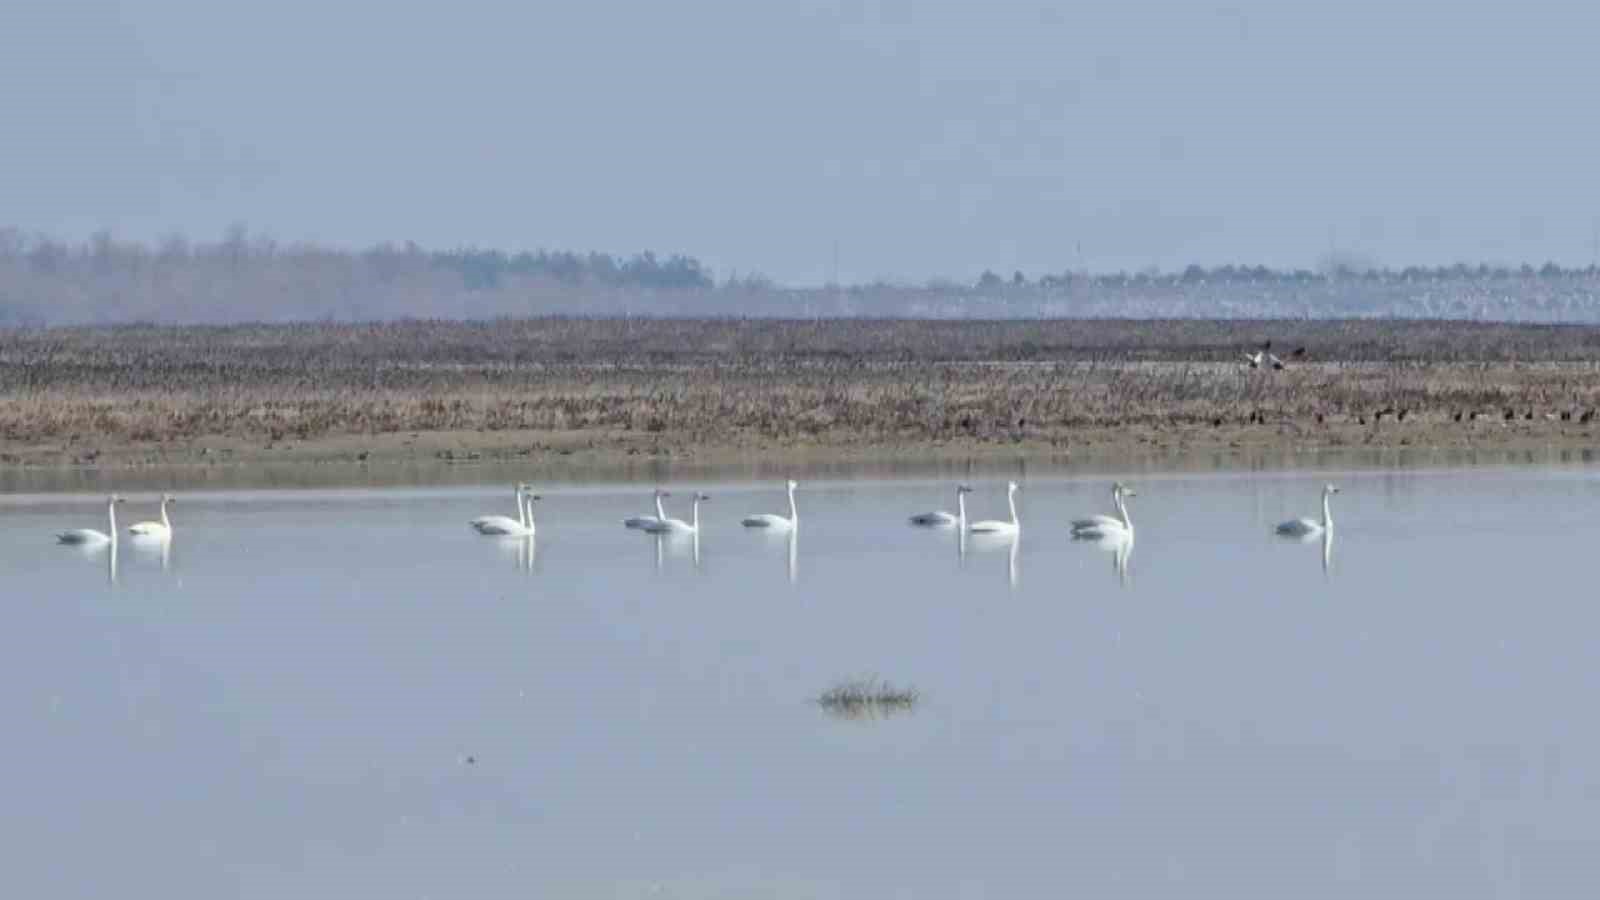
(349, 689)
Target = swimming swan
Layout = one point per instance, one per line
(679, 526)
(1096, 527)
(161, 529)
(1300, 527)
(996, 526)
(88, 536)
(646, 521)
(1118, 490)
(769, 520)
(505, 525)
(943, 519)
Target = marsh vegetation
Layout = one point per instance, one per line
(687, 385)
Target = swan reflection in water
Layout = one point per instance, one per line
(522, 551)
(993, 542)
(1117, 543)
(157, 545)
(676, 543)
(1323, 536)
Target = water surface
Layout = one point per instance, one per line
(347, 689)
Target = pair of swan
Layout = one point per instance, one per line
(666, 525)
(505, 526)
(91, 537)
(942, 519)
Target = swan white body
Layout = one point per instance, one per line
(1303, 527)
(1095, 521)
(679, 526)
(505, 525)
(646, 521)
(776, 522)
(152, 529)
(942, 519)
(998, 526)
(1097, 527)
(90, 537)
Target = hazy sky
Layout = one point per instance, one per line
(925, 138)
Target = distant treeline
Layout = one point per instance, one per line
(253, 278)
(1238, 274)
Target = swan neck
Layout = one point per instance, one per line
(522, 508)
(164, 520)
(1011, 500)
(527, 506)
(111, 516)
(961, 508)
(695, 515)
(1122, 507)
(1327, 516)
(661, 511)
(794, 513)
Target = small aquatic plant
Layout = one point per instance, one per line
(868, 697)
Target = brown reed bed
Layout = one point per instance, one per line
(680, 386)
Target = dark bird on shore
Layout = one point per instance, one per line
(1473, 417)
(1529, 416)
(1278, 364)
(1362, 419)
(1319, 418)
(1217, 422)
(1458, 415)
(1510, 414)
(1401, 415)
(1566, 415)
(1588, 415)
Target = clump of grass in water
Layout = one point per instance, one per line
(867, 698)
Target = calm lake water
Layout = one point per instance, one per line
(316, 693)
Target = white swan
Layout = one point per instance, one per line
(943, 519)
(776, 522)
(1096, 527)
(505, 525)
(529, 498)
(161, 529)
(646, 521)
(997, 526)
(679, 526)
(1302, 527)
(1118, 490)
(90, 537)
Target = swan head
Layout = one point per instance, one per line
(534, 497)
(963, 488)
(114, 498)
(793, 484)
(1329, 489)
(168, 499)
(1011, 487)
(701, 495)
(661, 493)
